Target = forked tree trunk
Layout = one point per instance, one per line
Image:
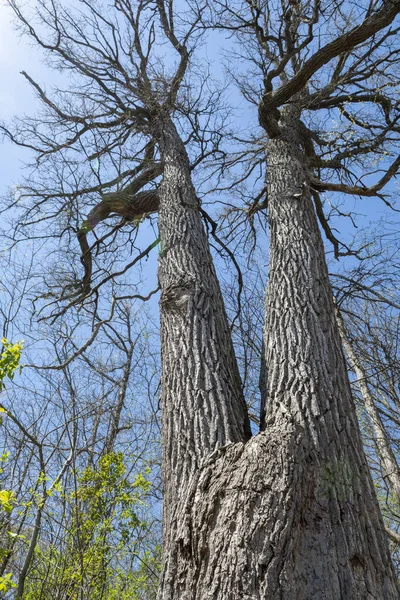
(290, 514)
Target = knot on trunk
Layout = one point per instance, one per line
(177, 295)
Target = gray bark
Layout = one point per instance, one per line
(202, 401)
(291, 513)
(343, 550)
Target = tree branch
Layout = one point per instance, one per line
(359, 34)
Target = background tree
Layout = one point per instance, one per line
(369, 317)
(9, 362)
(65, 454)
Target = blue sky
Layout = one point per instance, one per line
(15, 95)
(16, 98)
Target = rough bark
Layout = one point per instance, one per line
(202, 401)
(307, 384)
(291, 513)
(264, 520)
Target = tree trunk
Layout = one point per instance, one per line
(290, 514)
(341, 547)
(202, 401)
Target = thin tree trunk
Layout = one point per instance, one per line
(386, 455)
(117, 409)
(29, 555)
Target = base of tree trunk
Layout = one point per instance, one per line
(267, 519)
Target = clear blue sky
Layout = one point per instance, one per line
(15, 96)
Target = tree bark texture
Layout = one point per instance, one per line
(202, 401)
(342, 550)
(291, 513)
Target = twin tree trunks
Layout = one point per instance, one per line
(291, 513)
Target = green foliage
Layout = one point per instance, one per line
(9, 363)
(7, 500)
(6, 583)
(102, 555)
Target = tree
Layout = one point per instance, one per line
(65, 474)
(292, 511)
(286, 517)
(105, 531)
(9, 362)
(368, 314)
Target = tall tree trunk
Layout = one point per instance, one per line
(202, 402)
(341, 549)
(291, 513)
